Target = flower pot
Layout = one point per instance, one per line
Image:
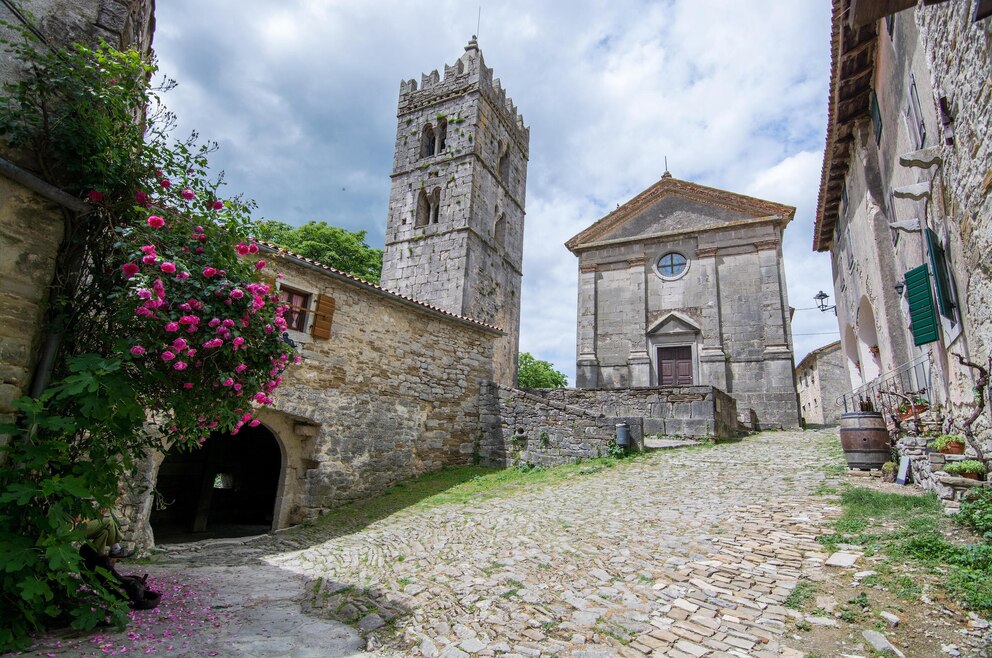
(953, 449)
(971, 476)
(911, 412)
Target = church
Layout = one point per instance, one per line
(684, 285)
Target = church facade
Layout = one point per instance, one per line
(684, 285)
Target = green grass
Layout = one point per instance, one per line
(800, 596)
(910, 529)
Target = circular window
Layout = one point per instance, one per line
(672, 265)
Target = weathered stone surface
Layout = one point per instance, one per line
(880, 644)
(842, 559)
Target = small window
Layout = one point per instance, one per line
(435, 200)
(504, 163)
(442, 135)
(876, 117)
(428, 207)
(499, 227)
(299, 305)
(427, 142)
(672, 265)
(914, 116)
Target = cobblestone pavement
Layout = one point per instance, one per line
(686, 552)
(682, 553)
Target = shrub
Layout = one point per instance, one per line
(965, 466)
(976, 512)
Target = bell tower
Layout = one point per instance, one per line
(454, 235)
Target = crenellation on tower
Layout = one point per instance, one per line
(454, 234)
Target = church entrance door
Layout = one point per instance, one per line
(675, 366)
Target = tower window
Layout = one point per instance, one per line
(504, 164)
(672, 265)
(428, 141)
(428, 207)
(499, 227)
(442, 135)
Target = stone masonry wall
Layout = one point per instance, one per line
(697, 411)
(960, 56)
(31, 228)
(395, 391)
(927, 471)
(523, 427)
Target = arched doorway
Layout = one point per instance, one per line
(227, 488)
(868, 349)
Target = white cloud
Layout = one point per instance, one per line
(302, 96)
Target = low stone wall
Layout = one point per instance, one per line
(524, 427)
(692, 411)
(927, 471)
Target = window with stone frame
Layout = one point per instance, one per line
(442, 135)
(499, 227)
(423, 216)
(428, 141)
(914, 116)
(504, 163)
(298, 302)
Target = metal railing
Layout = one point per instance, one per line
(907, 384)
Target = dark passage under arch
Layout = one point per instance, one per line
(227, 488)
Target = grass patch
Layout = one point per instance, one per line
(800, 596)
(911, 529)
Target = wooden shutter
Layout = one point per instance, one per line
(322, 317)
(941, 280)
(922, 313)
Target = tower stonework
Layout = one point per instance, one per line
(454, 236)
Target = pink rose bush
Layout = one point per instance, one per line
(201, 328)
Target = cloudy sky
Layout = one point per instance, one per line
(301, 96)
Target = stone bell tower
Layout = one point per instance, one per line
(454, 236)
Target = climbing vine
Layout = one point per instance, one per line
(161, 325)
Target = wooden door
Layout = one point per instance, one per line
(675, 366)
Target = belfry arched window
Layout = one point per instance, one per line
(428, 141)
(442, 135)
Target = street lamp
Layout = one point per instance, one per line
(821, 302)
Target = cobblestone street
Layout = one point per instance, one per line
(690, 552)
(687, 552)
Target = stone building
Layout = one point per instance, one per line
(33, 214)
(683, 285)
(822, 382)
(903, 206)
(455, 230)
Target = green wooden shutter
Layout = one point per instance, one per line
(922, 313)
(941, 281)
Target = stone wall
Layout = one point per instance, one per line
(927, 471)
(959, 53)
(393, 393)
(31, 227)
(555, 426)
(524, 427)
(822, 381)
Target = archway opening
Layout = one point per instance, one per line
(227, 488)
(868, 349)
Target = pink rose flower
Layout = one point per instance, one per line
(209, 271)
(191, 353)
(260, 264)
(150, 259)
(95, 196)
(180, 365)
(254, 423)
(188, 194)
(129, 269)
(144, 293)
(165, 183)
(148, 249)
(188, 385)
(217, 205)
(214, 322)
(168, 356)
(168, 268)
(172, 326)
(179, 344)
(140, 197)
(240, 368)
(237, 294)
(138, 350)
(253, 248)
(242, 249)
(182, 276)
(156, 222)
(228, 382)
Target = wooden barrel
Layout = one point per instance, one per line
(865, 440)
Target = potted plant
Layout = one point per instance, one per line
(908, 410)
(969, 468)
(949, 444)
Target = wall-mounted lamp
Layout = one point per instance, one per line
(821, 302)
(900, 287)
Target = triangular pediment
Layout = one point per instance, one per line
(673, 322)
(672, 206)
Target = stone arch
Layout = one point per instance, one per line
(868, 349)
(504, 163)
(442, 135)
(499, 227)
(435, 205)
(423, 217)
(286, 433)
